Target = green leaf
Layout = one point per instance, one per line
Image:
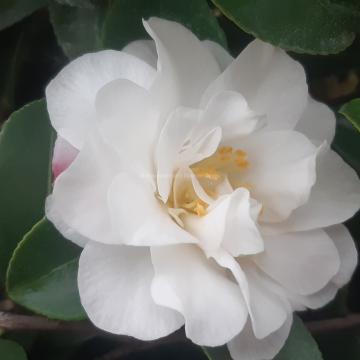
(10, 350)
(42, 274)
(113, 24)
(346, 142)
(12, 11)
(305, 26)
(351, 111)
(25, 154)
(299, 346)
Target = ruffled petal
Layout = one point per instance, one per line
(228, 224)
(139, 216)
(271, 81)
(267, 308)
(318, 122)
(78, 203)
(334, 198)
(144, 50)
(129, 121)
(181, 79)
(223, 58)
(347, 252)
(71, 94)
(246, 346)
(212, 305)
(230, 111)
(302, 262)
(281, 171)
(115, 291)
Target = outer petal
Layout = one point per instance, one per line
(271, 82)
(318, 122)
(115, 290)
(246, 346)
(71, 94)
(267, 308)
(334, 198)
(138, 215)
(64, 154)
(182, 78)
(129, 121)
(144, 50)
(186, 281)
(79, 198)
(221, 55)
(310, 259)
(347, 252)
(281, 171)
(229, 224)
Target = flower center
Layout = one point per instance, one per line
(193, 192)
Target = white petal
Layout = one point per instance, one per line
(115, 291)
(281, 171)
(79, 199)
(318, 299)
(185, 66)
(129, 121)
(318, 122)
(63, 155)
(268, 310)
(230, 111)
(138, 215)
(71, 94)
(302, 262)
(144, 50)
(228, 223)
(186, 281)
(271, 81)
(246, 346)
(334, 198)
(347, 252)
(171, 140)
(223, 58)
(61, 226)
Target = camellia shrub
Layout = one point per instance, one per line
(179, 179)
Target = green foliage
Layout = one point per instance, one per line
(351, 111)
(305, 26)
(25, 153)
(11, 11)
(114, 24)
(299, 346)
(10, 350)
(42, 274)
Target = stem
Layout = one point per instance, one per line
(349, 322)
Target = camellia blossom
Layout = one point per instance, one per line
(202, 189)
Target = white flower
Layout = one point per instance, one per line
(203, 190)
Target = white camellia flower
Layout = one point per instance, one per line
(202, 188)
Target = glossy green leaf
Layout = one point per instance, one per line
(351, 111)
(305, 26)
(12, 11)
(125, 19)
(113, 24)
(42, 274)
(346, 142)
(10, 350)
(299, 346)
(25, 153)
